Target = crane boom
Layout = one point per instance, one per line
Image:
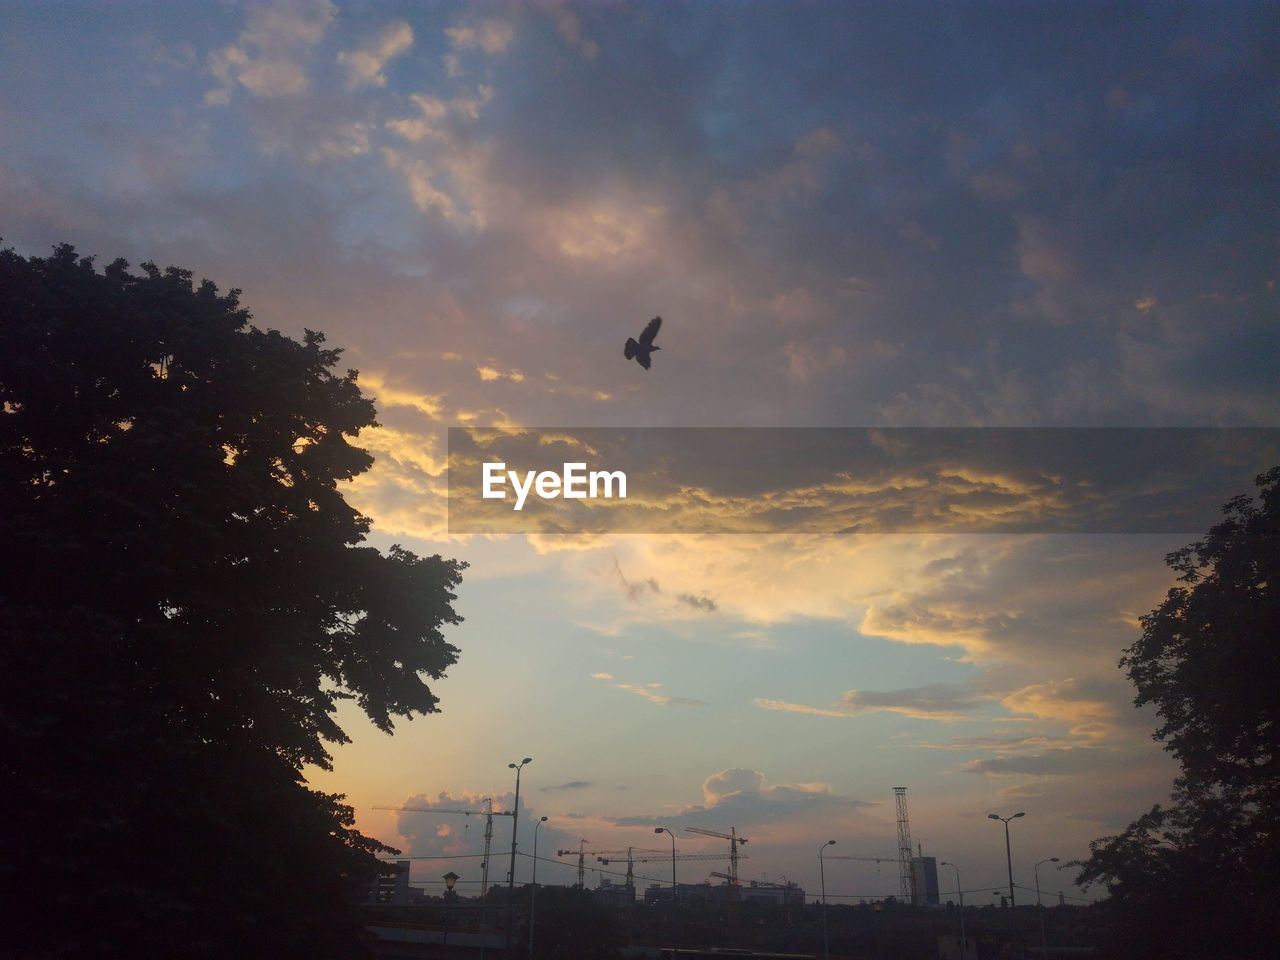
(468, 813)
(734, 840)
(868, 859)
(678, 856)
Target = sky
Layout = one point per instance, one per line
(849, 215)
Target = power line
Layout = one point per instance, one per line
(443, 856)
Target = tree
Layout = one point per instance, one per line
(1201, 877)
(184, 600)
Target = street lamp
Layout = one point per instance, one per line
(675, 894)
(1008, 852)
(822, 873)
(450, 879)
(1008, 855)
(964, 943)
(1044, 945)
(533, 897)
(511, 877)
(673, 859)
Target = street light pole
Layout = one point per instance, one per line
(822, 874)
(1008, 854)
(964, 943)
(1044, 943)
(533, 897)
(511, 877)
(674, 894)
(450, 879)
(673, 858)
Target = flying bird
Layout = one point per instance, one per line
(641, 351)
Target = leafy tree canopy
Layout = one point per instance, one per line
(1201, 876)
(184, 599)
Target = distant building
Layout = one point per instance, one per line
(779, 894)
(392, 888)
(924, 881)
(620, 895)
(687, 894)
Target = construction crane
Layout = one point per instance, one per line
(488, 813)
(659, 858)
(582, 855)
(734, 840)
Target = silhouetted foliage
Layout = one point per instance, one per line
(183, 602)
(1201, 877)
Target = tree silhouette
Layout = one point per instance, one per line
(184, 600)
(1201, 877)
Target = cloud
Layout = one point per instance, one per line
(1090, 707)
(365, 64)
(571, 785)
(704, 603)
(269, 57)
(493, 36)
(935, 701)
(1055, 762)
(785, 707)
(425, 834)
(743, 797)
(649, 691)
(635, 589)
(569, 26)
(932, 702)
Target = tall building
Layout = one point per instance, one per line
(392, 888)
(924, 881)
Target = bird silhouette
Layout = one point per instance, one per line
(641, 350)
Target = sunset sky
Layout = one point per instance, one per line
(849, 215)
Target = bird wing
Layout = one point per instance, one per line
(631, 348)
(644, 360)
(651, 331)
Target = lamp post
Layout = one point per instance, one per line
(822, 874)
(673, 859)
(450, 879)
(964, 943)
(674, 894)
(533, 897)
(511, 877)
(1008, 855)
(1044, 943)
